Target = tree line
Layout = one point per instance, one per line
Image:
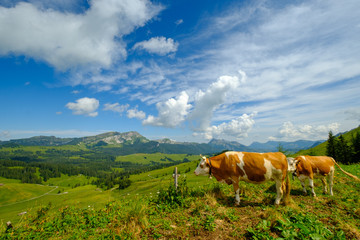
(344, 151)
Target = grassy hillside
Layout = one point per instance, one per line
(17, 198)
(202, 209)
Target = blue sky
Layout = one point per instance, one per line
(185, 70)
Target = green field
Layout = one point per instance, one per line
(16, 198)
(204, 209)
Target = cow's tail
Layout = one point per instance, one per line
(287, 189)
(349, 174)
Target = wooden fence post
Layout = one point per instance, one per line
(176, 178)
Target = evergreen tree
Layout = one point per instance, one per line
(356, 148)
(343, 151)
(331, 146)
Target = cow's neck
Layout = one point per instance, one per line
(215, 168)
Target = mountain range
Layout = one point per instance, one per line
(133, 142)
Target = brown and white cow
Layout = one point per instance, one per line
(232, 167)
(308, 167)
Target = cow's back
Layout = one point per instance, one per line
(321, 164)
(260, 167)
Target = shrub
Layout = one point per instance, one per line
(172, 197)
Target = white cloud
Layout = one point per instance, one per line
(44, 33)
(237, 128)
(84, 106)
(290, 74)
(158, 45)
(215, 95)
(289, 131)
(171, 113)
(135, 113)
(115, 107)
(179, 21)
(5, 134)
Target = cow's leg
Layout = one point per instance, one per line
(331, 181)
(311, 184)
(237, 192)
(302, 179)
(279, 191)
(324, 185)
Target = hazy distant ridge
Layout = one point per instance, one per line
(133, 142)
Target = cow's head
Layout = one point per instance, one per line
(203, 168)
(291, 164)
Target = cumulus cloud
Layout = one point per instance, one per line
(68, 40)
(115, 107)
(135, 113)
(171, 113)
(237, 128)
(290, 131)
(158, 45)
(206, 102)
(84, 106)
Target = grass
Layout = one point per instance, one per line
(202, 208)
(70, 181)
(16, 197)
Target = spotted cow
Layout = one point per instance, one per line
(310, 167)
(232, 167)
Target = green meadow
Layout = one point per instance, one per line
(17, 197)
